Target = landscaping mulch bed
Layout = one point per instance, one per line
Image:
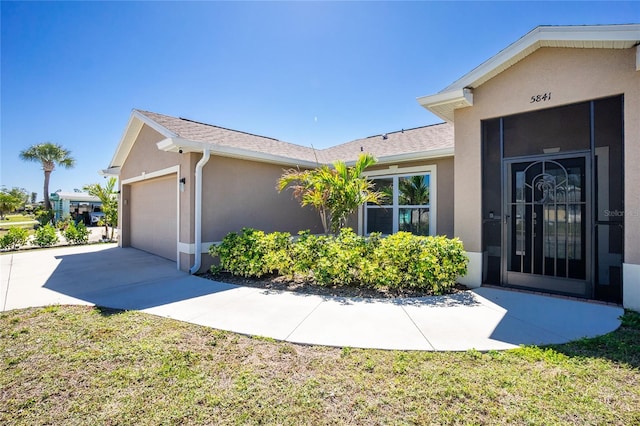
(299, 285)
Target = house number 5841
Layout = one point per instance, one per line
(541, 98)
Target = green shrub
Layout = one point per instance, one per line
(44, 217)
(253, 253)
(76, 234)
(14, 238)
(404, 260)
(305, 252)
(399, 261)
(45, 236)
(340, 259)
(277, 253)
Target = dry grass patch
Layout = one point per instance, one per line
(82, 365)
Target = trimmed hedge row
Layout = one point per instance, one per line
(399, 261)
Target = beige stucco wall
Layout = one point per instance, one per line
(145, 157)
(444, 190)
(240, 193)
(570, 75)
(237, 193)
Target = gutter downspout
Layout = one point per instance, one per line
(198, 207)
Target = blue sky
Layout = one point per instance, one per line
(303, 72)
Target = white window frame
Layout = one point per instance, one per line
(396, 172)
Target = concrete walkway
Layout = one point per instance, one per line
(125, 278)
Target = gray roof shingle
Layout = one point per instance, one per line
(418, 140)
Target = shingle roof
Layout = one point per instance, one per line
(202, 132)
(418, 140)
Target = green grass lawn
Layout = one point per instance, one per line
(8, 219)
(83, 365)
(11, 219)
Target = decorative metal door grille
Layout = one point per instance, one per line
(547, 207)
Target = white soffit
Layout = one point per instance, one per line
(576, 37)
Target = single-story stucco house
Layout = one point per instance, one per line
(534, 168)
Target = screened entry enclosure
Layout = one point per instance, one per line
(551, 179)
(405, 206)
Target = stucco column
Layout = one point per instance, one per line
(631, 265)
(468, 196)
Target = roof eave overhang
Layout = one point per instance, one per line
(412, 156)
(417, 156)
(181, 145)
(444, 104)
(111, 171)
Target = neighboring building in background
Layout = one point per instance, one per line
(80, 206)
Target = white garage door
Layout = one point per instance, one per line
(153, 216)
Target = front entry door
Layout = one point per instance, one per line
(546, 226)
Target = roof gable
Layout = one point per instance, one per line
(129, 136)
(459, 94)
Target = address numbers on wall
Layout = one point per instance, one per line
(540, 98)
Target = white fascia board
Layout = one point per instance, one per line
(155, 126)
(412, 156)
(536, 38)
(111, 171)
(423, 155)
(450, 100)
(616, 32)
(452, 96)
(131, 132)
(176, 144)
(126, 141)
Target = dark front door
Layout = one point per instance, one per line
(546, 234)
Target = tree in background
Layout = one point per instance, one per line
(335, 192)
(49, 155)
(109, 199)
(11, 200)
(414, 191)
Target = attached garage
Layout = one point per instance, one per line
(153, 216)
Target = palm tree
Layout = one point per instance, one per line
(349, 189)
(308, 190)
(336, 193)
(49, 155)
(106, 194)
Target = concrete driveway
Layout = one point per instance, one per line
(126, 278)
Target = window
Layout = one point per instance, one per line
(406, 206)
